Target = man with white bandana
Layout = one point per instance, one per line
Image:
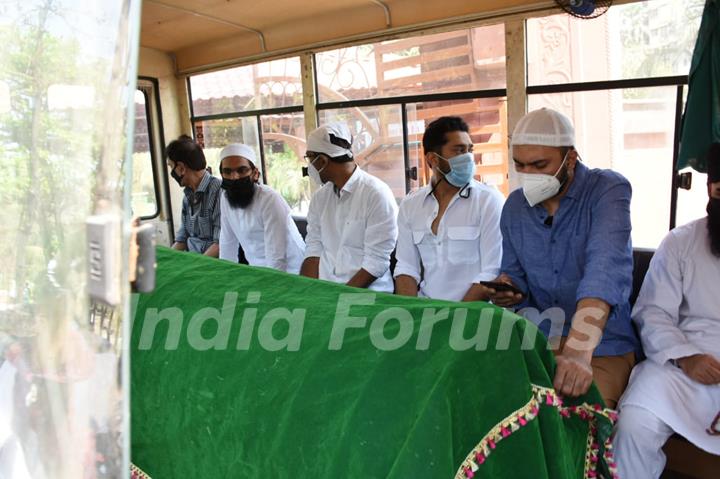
(677, 388)
(352, 228)
(567, 247)
(255, 216)
(449, 231)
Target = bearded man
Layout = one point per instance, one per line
(255, 216)
(677, 389)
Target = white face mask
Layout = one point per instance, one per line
(538, 187)
(314, 173)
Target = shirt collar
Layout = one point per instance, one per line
(350, 184)
(202, 186)
(579, 180)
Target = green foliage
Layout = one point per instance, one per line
(46, 153)
(652, 45)
(285, 176)
(408, 52)
(219, 133)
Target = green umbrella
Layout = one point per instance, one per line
(701, 121)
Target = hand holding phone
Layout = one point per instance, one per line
(501, 287)
(505, 293)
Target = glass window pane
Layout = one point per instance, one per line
(487, 119)
(636, 40)
(214, 135)
(284, 148)
(64, 72)
(252, 87)
(632, 132)
(377, 141)
(692, 203)
(144, 200)
(463, 60)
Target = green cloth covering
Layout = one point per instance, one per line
(357, 412)
(701, 121)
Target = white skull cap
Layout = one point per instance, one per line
(239, 149)
(544, 127)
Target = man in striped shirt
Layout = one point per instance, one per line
(199, 231)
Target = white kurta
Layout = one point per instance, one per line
(678, 315)
(265, 229)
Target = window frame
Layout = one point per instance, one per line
(515, 59)
(403, 100)
(146, 92)
(258, 114)
(678, 81)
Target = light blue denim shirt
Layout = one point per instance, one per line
(585, 252)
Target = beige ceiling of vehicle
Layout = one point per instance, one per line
(210, 33)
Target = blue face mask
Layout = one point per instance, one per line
(462, 169)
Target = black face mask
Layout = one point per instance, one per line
(176, 177)
(240, 192)
(713, 211)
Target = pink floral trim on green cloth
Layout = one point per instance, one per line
(542, 396)
(609, 456)
(137, 473)
(589, 413)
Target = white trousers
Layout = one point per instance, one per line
(639, 438)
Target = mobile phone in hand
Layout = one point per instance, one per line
(501, 287)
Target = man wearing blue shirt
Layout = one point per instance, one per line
(566, 246)
(199, 230)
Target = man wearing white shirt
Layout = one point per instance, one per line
(255, 216)
(352, 228)
(449, 231)
(677, 389)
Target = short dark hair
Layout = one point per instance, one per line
(341, 158)
(434, 137)
(186, 150)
